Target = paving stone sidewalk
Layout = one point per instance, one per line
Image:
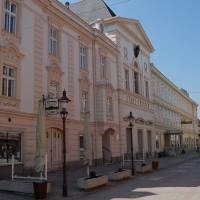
(73, 175)
(56, 178)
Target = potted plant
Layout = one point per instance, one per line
(92, 181)
(120, 174)
(145, 167)
(40, 189)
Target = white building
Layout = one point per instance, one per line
(175, 114)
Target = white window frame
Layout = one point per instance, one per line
(8, 15)
(103, 67)
(83, 51)
(127, 83)
(147, 89)
(9, 80)
(53, 37)
(109, 109)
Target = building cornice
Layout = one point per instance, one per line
(171, 84)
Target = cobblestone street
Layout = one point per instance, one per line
(178, 178)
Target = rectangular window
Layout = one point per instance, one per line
(10, 17)
(81, 146)
(53, 41)
(9, 81)
(84, 102)
(10, 144)
(127, 79)
(109, 105)
(125, 53)
(147, 89)
(136, 82)
(83, 56)
(103, 70)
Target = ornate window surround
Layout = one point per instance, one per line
(54, 23)
(54, 73)
(14, 37)
(10, 56)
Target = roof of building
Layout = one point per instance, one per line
(91, 10)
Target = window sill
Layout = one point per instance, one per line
(9, 101)
(54, 59)
(13, 38)
(9, 164)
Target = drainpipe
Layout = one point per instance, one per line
(119, 110)
(94, 95)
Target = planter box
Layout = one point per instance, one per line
(117, 176)
(90, 183)
(20, 186)
(145, 169)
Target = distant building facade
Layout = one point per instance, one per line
(102, 61)
(175, 115)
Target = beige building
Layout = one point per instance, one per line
(103, 62)
(175, 114)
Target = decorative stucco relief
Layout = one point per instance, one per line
(38, 59)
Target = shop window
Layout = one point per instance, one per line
(10, 144)
(81, 146)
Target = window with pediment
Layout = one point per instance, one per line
(10, 16)
(8, 82)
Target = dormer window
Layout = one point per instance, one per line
(10, 17)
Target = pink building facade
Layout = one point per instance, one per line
(45, 48)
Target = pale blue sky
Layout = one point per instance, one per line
(173, 27)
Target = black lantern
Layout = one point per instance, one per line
(63, 101)
(130, 118)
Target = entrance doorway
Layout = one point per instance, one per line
(54, 148)
(106, 146)
(140, 144)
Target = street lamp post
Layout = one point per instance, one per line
(130, 119)
(63, 113)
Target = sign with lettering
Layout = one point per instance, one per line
(51, 104)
